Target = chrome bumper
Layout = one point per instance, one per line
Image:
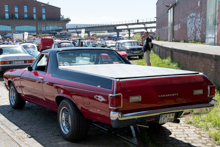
(119, 120)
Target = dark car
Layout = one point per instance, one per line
(131, 47)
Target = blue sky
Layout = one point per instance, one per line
(101, 11)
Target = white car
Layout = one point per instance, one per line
(31, 49)
(14, 56)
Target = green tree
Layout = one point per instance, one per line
(137, 37)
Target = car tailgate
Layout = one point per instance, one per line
(161, 92)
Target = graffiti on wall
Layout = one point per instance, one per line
(191, 26)
(198, 25)
(194, 26)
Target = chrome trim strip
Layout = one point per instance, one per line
(207, 78)
(193, 109)
(156, 77)
(115, 86)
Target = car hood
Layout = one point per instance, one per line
(12, 57)
(121, 71)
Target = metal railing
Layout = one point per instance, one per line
(125, 22)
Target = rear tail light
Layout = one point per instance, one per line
(115, 101)
(211, 91)
(29, 61)
(5, 62)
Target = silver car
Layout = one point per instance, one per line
(14, 56)
(31, 49)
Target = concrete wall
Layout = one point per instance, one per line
(194, 61)
(189, 19)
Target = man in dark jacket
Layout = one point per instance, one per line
(147, 44)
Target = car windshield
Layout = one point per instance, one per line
(87, 57)
(12, 50)
(130, 43)
(29, 47)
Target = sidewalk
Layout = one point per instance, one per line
(199, 48)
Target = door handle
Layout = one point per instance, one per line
(41, 78)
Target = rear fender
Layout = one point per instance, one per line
(61, 97)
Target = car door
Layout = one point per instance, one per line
(32, 81)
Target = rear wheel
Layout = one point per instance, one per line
(15, 99)
(73, 126)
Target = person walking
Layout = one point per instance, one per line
(147, 44)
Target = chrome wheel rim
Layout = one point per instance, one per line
(12, 95)
(65, 121)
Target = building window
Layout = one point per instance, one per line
(43, 10)
(43, 13)
(6, 8)
(5, 28)
(26, 15)
(16, 12)
(34, 12)
(43, 17)
(25, 28)
(6, 12)
(34, 9)
(25, 12)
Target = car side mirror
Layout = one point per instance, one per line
(1, 51)
(30, 68)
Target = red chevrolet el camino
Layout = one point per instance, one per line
(83, 84)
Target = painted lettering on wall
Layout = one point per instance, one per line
(198, 25)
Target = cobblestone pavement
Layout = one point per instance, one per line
(36, 126)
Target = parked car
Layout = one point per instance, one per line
(44, 43)
(131, 47)
(31, 49)
(87, 43)
(62, 44)
(14, 56)
(109, 44)
(83, 84)
(102, 45)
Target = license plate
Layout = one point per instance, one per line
(166, 118)
(18, 62)
(136, 52)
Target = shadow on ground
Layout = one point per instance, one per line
(41, 124)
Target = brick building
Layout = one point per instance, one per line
(188, 20)
(18, 16)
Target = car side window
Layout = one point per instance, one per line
(41, 64)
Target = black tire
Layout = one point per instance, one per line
(78, 129)
(15, 99)
(140, 57)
